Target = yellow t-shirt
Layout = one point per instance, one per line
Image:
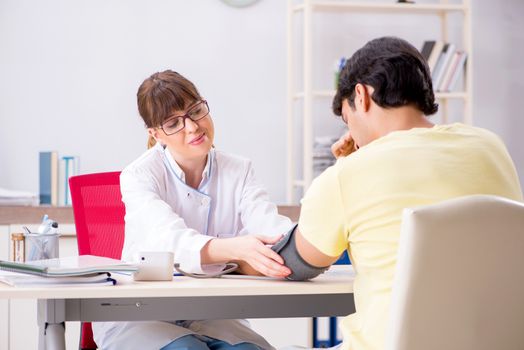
(357, 204)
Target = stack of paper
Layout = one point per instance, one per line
(9, 197)
(74, 270)
(69, 266)
(23, 280)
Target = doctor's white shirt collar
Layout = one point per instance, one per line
(206, 174)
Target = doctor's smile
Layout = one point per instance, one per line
(198, 140)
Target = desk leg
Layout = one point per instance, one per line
(51, 324)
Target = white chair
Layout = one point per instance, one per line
(459, 282)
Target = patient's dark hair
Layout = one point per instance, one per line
(397, 72)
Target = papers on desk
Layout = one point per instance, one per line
(22, 280)
(69, 266)
(9, 197)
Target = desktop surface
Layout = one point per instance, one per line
(338, 280)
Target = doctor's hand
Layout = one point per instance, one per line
(255, 257)
(250, 252)
(344, 146)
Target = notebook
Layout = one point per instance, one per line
(69, 266)
(23, 280)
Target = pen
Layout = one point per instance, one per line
(47, 226)
(43, 226)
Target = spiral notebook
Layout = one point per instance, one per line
(69, 266)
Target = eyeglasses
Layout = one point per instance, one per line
(178, 123)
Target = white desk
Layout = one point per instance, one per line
(330, 294)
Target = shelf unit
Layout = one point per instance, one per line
(307, 94)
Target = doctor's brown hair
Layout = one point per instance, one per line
(160, 95)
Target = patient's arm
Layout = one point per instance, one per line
(303, 259)
(310, 253)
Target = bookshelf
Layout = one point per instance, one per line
(302, 96)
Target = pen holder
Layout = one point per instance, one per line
(40, 246)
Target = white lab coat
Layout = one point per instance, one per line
(163, 213)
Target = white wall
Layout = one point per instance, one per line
(69, 71)
(499, 73)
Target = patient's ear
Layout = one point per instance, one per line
(363, 96)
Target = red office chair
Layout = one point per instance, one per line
(99, 221)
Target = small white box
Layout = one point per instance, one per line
(155, 266)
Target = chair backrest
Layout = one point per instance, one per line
(459, 282)
(99, 214)
(99, 222)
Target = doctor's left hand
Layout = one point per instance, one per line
(256, 255)
(250, 252)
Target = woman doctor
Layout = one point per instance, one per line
(184, 196)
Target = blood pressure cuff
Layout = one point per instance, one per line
(300, 269)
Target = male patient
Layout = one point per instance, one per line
(392, 157)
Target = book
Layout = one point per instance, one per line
(427, 47)
(457, 71)
(69, 266)
(434, 56)
(442, 65)
(453, 62)
(23, 280)
(48, 176)
(68, 167)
